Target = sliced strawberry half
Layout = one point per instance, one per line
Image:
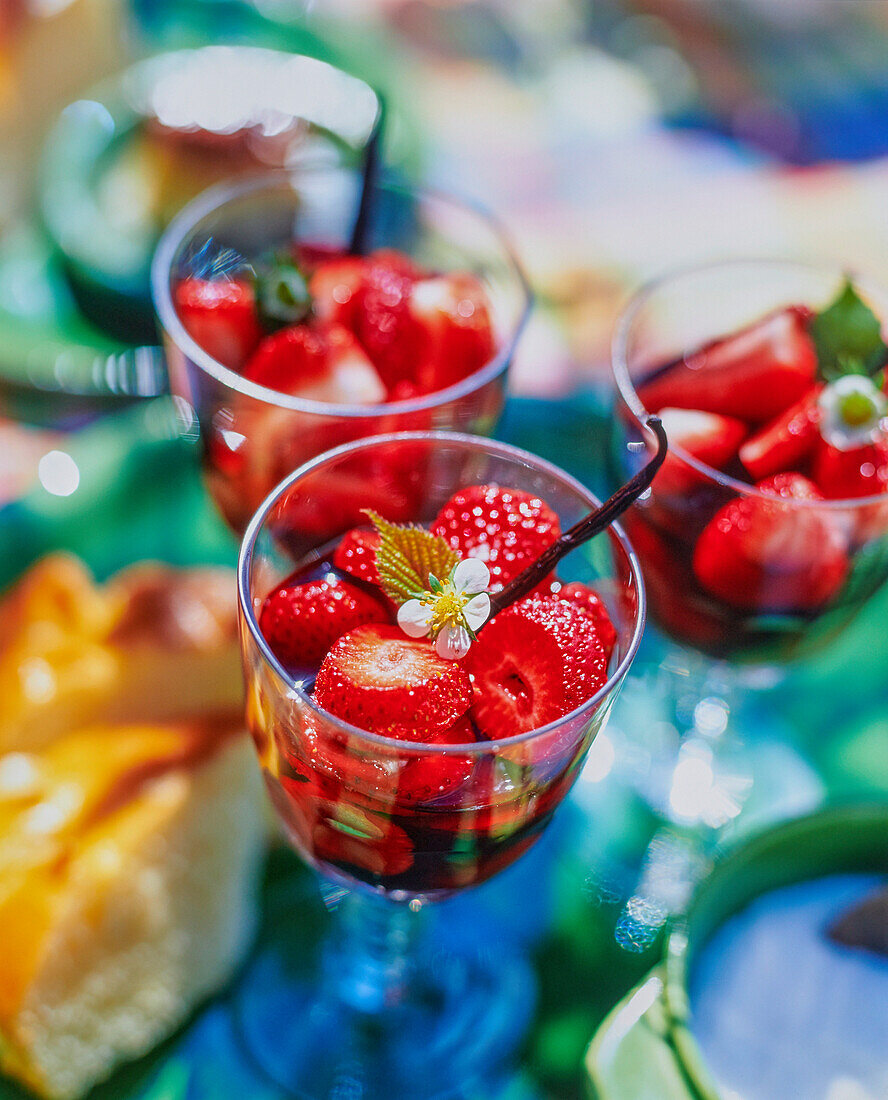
(535, 662)
(768, 556)
(755, 374)
(356, 554)
(786, 442)
(220, 315)
(380, 680)
(589, 600)
(710, 438)
(853, 473)
(506, 528)
(301, 622)
(320, 362)
(455, 312)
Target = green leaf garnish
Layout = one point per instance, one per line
(406, 555)
(282, 294)
(848, 337)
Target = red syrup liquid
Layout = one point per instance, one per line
(401, 820)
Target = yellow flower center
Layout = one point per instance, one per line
(447, 609)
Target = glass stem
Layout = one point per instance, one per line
(707, 782)
(369, 958)
(697, 784)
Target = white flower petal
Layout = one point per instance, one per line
(414, 618)
(477, 611)
(453, 643)
(471, 576)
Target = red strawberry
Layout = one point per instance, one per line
(533, 663)
(385, 326)
(433, 776)
(356, 554)
(506, 528)
(762, 555)
(326, 752)
(334, 285)
(708, 437)
(300, 622)
(589, 600)
(220, 316)
(380, 680)
(663, 558)
(380, 848)
(786, 442)
(319, 362)
(406, 391)
(337, 280)
(756, 374)
(455, 312)
(396, 261)
(858, 472)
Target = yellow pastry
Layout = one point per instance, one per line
(153, 644)
(130, 841)
(127, 874)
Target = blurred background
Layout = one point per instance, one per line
(614, 139)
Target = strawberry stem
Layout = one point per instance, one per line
(586, 528)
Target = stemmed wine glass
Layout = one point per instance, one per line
(380, 1010)
(824, 560)
(252, 435)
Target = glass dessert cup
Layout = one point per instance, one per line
(827, 558)
(254, 436)
(394, 1016)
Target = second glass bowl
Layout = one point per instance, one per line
(254, 436)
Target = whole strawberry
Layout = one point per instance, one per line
(589, 600)
(356, 554)
(300, 622)
(507, 529)
(431, 777)
(766, 553)
(220, 315)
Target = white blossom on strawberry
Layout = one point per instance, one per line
(852, 412)
(452, 611)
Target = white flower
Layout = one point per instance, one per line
(852, 409)
(452, 612)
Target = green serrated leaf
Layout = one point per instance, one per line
(406, 555)
(847, 336)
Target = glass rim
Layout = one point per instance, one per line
(626, 387)
(218, 195)
(505, 450)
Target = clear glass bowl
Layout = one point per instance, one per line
(836, 552)
(254, 436)
(402, 823)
